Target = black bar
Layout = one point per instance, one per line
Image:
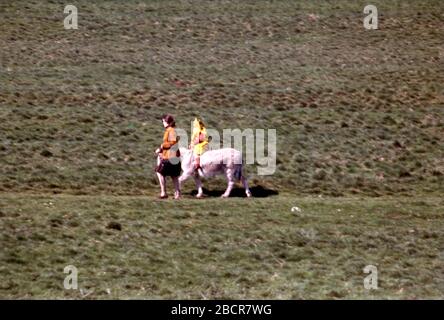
(218, 309)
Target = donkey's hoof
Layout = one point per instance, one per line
(224, 196)
(199, 196)
(249, 195)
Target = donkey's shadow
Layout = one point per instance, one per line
(256, 191)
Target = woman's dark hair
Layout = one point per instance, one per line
(169, 119)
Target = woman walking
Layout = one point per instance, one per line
(168, 161)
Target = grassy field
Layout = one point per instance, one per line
(357, 112)
(221, 249)
(360, 121)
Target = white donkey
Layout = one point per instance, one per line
(226, 161)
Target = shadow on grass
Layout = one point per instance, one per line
(256, 191)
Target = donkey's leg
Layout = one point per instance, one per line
(176, 187)
(199, 187)
(183, 177)
(230, 179)
(245, 184)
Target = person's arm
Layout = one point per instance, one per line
(169, 139)
(202, 137)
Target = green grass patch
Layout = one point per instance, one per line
(139, 247)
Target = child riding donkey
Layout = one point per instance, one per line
(199, 143)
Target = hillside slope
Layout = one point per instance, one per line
(356, 111)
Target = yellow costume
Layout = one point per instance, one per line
(199, 140)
